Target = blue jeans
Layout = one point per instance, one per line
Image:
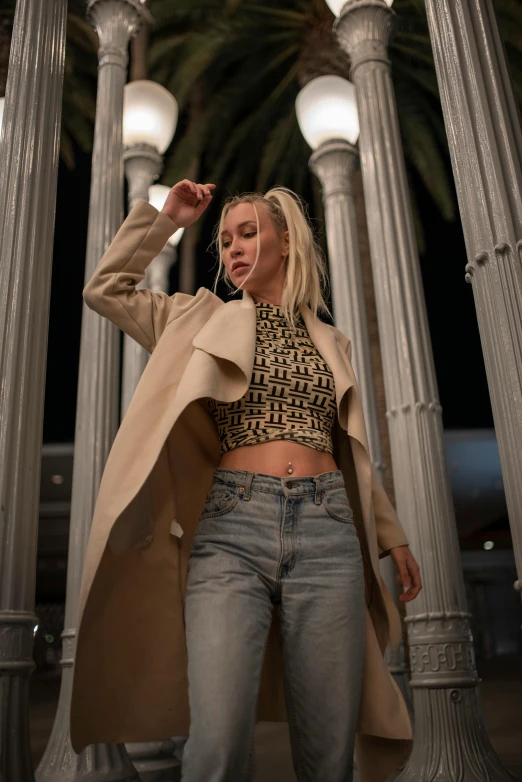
(262, 541)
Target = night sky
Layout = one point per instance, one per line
(459, 362)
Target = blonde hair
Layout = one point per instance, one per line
(306, 269)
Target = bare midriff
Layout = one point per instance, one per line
(273, 458)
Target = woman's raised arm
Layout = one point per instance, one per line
(111, 291)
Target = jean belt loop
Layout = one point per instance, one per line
(317, 490)
(249, 477)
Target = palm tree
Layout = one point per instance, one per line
(253, 56)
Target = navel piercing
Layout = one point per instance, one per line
(290, 467)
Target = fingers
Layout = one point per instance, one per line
(410, 577)
(201, 192)
(204, 196)
(204, 191)
(195, 190)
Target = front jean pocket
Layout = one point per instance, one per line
(220, 500)
(337, 505)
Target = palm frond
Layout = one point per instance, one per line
(294, 18)
(256, 124)
(244, 57)
(196, 56)
(162, 48)
(81, 34)
(275, 148)
(415, 53)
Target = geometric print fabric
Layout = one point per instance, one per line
(291, 394)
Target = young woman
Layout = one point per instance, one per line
(266, 395)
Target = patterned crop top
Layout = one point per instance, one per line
(291, 394)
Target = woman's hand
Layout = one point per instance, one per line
(187, 201)
(408, 569)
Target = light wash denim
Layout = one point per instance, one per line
(261, 541)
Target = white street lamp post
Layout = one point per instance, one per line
(449, 730)
(328, 118)
(150, 115)
(115, 21)
(28, 176)
(485, 142)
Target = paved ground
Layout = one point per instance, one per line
(501, 694)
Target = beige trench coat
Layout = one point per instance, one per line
(130, 669)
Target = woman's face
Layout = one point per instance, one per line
(239, 238)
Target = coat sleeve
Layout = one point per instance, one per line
(111, 291)
(388, 527)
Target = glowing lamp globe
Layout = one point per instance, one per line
(157, 197)
(337, 5)
(327, 109)
(150, 114)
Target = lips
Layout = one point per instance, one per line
(240, 266)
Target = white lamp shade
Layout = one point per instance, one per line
(326, 109)
(150, 114)
(157, 197)
(176, 236)
(337, 5)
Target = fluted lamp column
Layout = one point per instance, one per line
(115, 21)
(29, 154)
(450, 740)
(150, 115)
(327, 115)
(485, 142)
